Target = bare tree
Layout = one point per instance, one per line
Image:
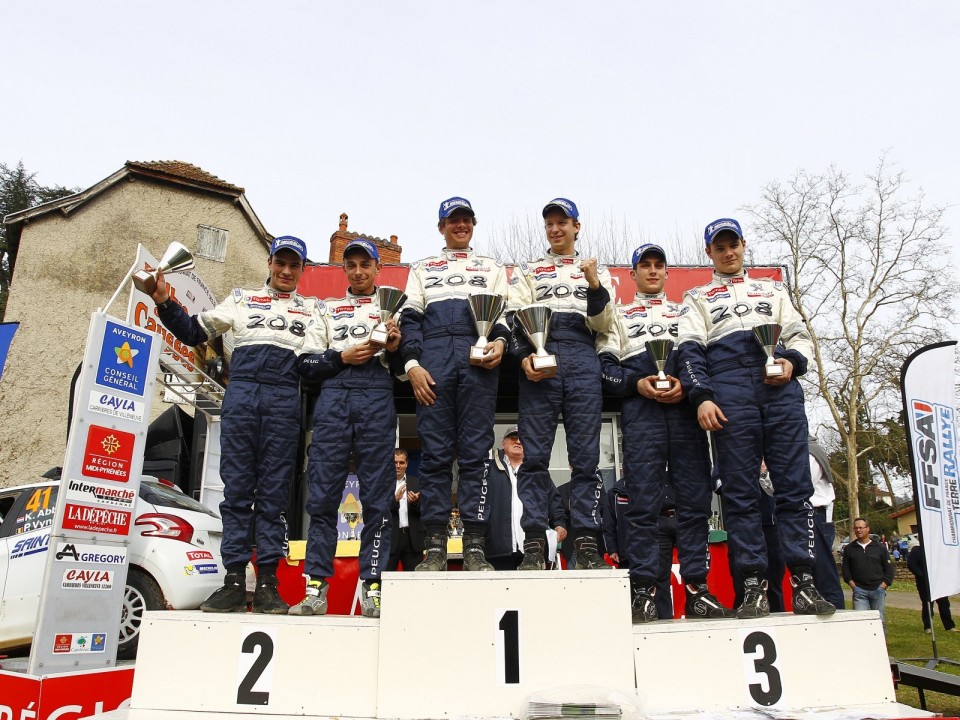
(871, 278)
(612, 241)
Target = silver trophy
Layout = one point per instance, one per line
(769, 337)
(660, 350)
(391, 299)
(486, 310)
(176, 259)
(535, 321)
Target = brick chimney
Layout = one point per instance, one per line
(389, 249)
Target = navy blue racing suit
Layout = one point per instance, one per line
(355, 412)
(260, 421)
(578, 314)
(657, 438)
(722, 361)
(438, 331)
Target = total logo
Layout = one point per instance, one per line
(199, 555)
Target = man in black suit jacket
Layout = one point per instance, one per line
(406, 544)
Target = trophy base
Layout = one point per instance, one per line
(773, 370)
(662, 385)
(476, 355)
(378, 338)
(546, 364)
(145, 281)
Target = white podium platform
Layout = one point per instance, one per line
(456, 645)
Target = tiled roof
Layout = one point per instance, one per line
(183, 170)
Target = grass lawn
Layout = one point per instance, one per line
(906, 639)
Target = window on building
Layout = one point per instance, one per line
(212, 243)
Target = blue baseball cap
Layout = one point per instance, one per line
(646, 249)
(448, 206)
(364, 245)
(569, 207)
(718, 226)
(289, 242)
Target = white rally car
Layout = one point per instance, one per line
(174, 554)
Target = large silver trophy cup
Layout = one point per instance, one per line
(391, 299)
(769, 337)
(535, 321)
(660, 350)
(486, 310)
(175, 260)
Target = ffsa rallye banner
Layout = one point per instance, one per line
(929, 399)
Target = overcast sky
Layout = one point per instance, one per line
(661, 115)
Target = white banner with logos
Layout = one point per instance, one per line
(928, 384)
(81, 600)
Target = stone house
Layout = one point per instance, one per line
(71, 254)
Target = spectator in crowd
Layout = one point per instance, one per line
(406, 542)
(455, 399)
(867, 569)
(825, 575)
(917, 564)
(504, 533)
(578, 291)
(260, 426)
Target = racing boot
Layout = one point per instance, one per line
(534, 552)
(370, 599)
(643, 607)
(807, 600)
(588, 556)
(232, 597)
(701, 603)
(315, 601)
(266, 599)
(473, 552)
(755, 603)
(435, 553)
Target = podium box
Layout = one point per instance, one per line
(476, 644)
